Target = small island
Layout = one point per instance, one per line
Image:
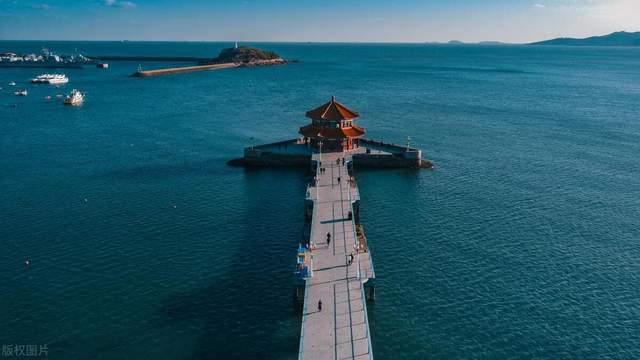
(238, 56)
(248, 56)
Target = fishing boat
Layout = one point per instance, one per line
(102, 66)
(13, 83)
(21, 92)
(74, 98)
(52, 79)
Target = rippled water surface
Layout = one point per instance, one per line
(523, 243)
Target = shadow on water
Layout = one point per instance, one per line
(248, 311)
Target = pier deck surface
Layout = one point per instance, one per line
(341, 329)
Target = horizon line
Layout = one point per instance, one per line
(447, 42)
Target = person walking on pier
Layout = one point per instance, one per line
(342, 161)
(350, 258)
(319, 305)
(338, 179)
(328, 239)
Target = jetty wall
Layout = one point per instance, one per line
(384, 161)
(255, 157)
(184, 69)
(293, 153)
(148, 58)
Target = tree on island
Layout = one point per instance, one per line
(245, 54)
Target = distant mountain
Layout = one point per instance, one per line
(492, 43)
(458, 42)
(621, 38)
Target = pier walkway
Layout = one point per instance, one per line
(341, 329)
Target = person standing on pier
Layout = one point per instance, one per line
(328, 239)
(319, 305)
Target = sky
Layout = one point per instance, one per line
(515, 21)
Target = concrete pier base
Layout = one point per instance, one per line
(299, 294)
(369, 154)
(370, 292)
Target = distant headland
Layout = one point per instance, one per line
(620, 38)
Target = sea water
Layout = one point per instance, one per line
(522, 243)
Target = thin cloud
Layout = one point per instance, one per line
(120, 4)
(539, 6)
(42, 7)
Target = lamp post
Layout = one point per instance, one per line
(318, 168)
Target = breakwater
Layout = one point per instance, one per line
(185, 69)
(149, 58)
(214, 66)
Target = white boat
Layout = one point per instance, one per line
(22, 92)
(13, 83)
(50, 79)
(74, 98)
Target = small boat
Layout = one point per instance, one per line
(50, 79)
(48, 97)
(74, 98)
(13, 83)
(102, 66)
(21, 92)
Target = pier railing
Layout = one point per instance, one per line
(307, 282)
(366, 276)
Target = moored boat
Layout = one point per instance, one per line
(46, 59)
(74, 98)
(50, 79)
(21, 92)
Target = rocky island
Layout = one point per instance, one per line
(238, 56)
(248, 56)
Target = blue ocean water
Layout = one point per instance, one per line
(523, 243)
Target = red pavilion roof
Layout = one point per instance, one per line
(331, 133)
(332, 111)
